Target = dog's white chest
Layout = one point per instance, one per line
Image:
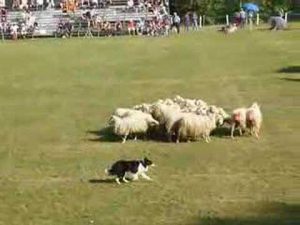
(140, 170)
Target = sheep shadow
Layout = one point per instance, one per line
(290, 69)
(290, 79)
(106, 135)
(103, 135)
(102, 181)
(221, 132)
(154, 134)
(272, 213)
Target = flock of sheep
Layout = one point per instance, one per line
(182, 119)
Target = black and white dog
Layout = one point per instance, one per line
(123, 169)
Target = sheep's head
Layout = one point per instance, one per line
(255, 105)
(152, 122)
(112, 120)
(156, 112)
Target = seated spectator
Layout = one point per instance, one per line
(107, 28)
(94, 3)
(118, 27)
(130, 5)
(3, 15)
(39, 4)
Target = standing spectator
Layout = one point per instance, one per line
(242, 18)
(250, 19)
(176, 22)
(187, 21)
(14, 31)
(131, 27)
(195, 21)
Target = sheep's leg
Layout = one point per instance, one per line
(124, 139)
(135, 138)
(124, 179)
(118, 180)
(240, 131)
(232, 130)
(207, 139)
(256, 133)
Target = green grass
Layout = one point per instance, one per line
(52, 92)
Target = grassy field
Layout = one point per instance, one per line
(56, 94)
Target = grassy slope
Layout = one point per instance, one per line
(53, 91)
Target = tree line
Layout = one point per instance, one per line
(214, 10)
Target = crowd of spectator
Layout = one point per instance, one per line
(96, 25)
(22, 27)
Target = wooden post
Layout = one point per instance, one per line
(285, 17)
(227, 20)
(203, 20)
(257, 19)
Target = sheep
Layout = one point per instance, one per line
(134, 124)
(166, 116)
(254, 119)
(191, 127)
(238, 120)
(244, 118)
(123, 112)
(144, 107)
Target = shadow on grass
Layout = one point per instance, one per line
(221, 132)
(273, 213)
(290, 69)
(103, 135)
(102, 181)
(154, 134)
(106, 135)
(290, 79)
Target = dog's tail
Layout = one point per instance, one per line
(107, 171)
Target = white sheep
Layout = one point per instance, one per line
(123, 112)
(243, 118)
(166, 116)
(254, 119)
(191, 127)
(238, 120)
(133, 124)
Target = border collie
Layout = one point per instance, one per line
(123, 169)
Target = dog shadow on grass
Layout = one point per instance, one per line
(102, 181)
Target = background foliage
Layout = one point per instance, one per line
(214, 10)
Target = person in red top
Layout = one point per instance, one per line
(131, 27)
